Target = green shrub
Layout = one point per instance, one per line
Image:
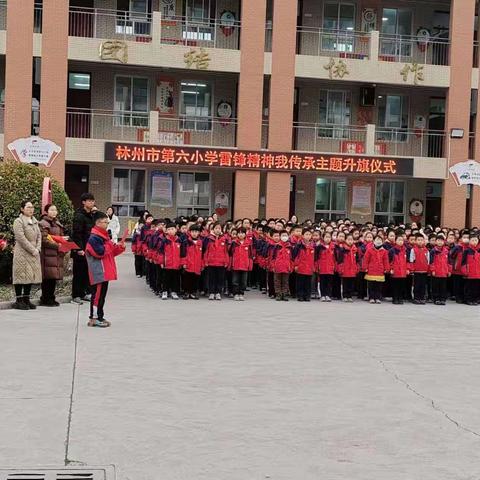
(20, 182)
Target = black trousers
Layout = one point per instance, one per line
(348, 287)
(48, 290)
(472, 290)
(271, 284)
(262, 278)
(375, 290)
(304, 286)
(23, 289)
(387, 286)
(80, 280)
(216, 279)
(152, 279)
(361, 285)
(398, 289)
(139, 265)
(159, 278)
(439, 289)
(326, 284)
(337, 286)
(292, 284)
(239, 282)
(171, 280)
(420, 286)
(458, 288)
(407, 294)
(190, 283)
(97, 302)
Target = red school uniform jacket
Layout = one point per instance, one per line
(375, 262)
(471, 263)
(145, 233)
(438, 261)
(303, 256)
(456, 258)
(398, 262)
(215, 251)
(418, 259)
(170, 252)
(100, 253)
(346, 258)
(192, 253)
(325, 259)
(241, 255)
(281, 259)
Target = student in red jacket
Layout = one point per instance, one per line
(241, 254)
(170, 260)
(192, 262)
(440, 269)
(363, 245)
(325, 266)
(100, 253)
(347, 267)
(303, 256)
(471, 265)
(215, 256)
(397, 257)
(376, 264)
(281, 261)
(418, 264)
(456, 258)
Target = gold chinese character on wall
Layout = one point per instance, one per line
(198, 58)
(336, 70)
(416, 69)
(114, 50)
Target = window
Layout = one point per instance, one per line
(330, 198)
(131, 99)
(390, 203)
(79, 81)
(396, 22)
(195, 106)
(128, 192)
(392, 118)
(334, 112)
(197, 9)
(193, 195)
(133, 17)
(340, 18)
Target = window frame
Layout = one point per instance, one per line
(129, 204)
(80, 73)
(390, 214)
(393, 134)
(329, 131)
(130, 116)
(188, 123)
(342, 41)
(327, 214)
(193, 207)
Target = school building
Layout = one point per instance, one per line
(323, 108)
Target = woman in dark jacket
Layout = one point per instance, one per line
(52, 259)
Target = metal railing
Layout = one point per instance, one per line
(2, 118)
(475, 54)
(205, 131)
(108, 125)
(206, 32)
(37, 18)
(410, 142)
(265, 134)
(117, 24)
(268, 36)
(333, 43)
(3, 14)
(329, 138)
(402, 48)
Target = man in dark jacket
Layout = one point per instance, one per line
(83, 223)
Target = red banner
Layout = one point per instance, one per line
(257, 160)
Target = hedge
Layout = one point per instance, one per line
(18, 182)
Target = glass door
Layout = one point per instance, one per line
(193, 194)
(338, 24)
(396, 32)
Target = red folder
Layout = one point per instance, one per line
(64, 246)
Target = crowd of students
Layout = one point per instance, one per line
(190, 257)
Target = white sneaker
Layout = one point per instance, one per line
(174, 296)
(350, 300)
(345, 300)
(211, 296)
(139, 276)
(236, 297)
(328, 299)
(218, 296)
(165, 296)
(241, 298)
(87, 297)
(77, 301)
(323, 299)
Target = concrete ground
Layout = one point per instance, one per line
(216, 391)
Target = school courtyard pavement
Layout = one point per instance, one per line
(243, 391)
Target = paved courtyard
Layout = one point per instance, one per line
(216, 391)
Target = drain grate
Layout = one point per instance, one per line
(70, 473)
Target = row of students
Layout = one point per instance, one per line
(293, 261)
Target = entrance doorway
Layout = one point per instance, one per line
(436, 122)
(79, 98)
(77, 181)
(433, 207)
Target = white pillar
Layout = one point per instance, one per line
(370, 140)
(154, 124)
(374, 45)
(156, 28)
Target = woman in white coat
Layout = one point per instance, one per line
(113, 224)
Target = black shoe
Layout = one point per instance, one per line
(306, 299)
(417, 302)
(471, 303)
(20, 305)
(279, 298)
(29, 304)
(284, 298)
(186, 296)
(300, 300)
